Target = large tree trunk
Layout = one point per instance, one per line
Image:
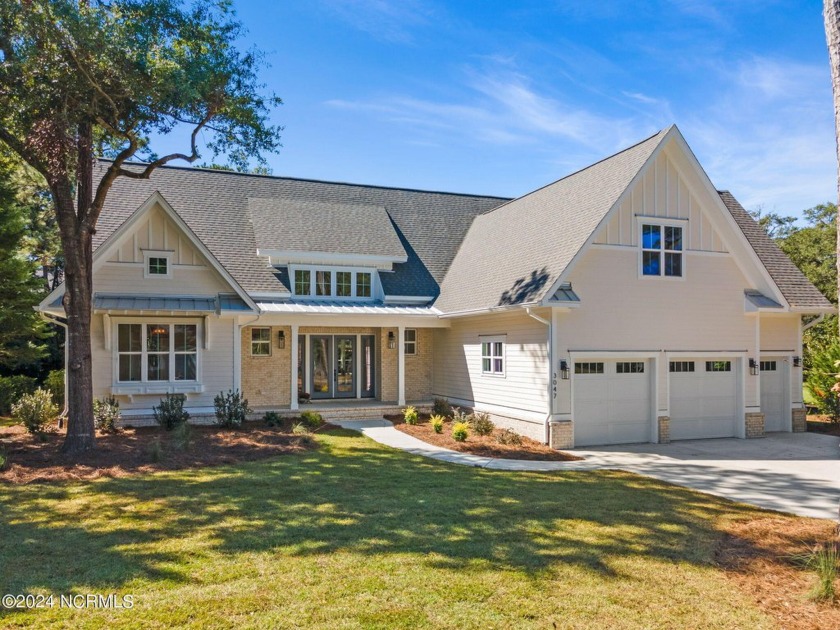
(831, 16)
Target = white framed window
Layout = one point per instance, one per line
(630, 367)
(661, 250)
(718, 366)
(157, 264)
(589, 367)
(410, 339)
(767, 366)
(681, 366)
(261, 342)
(157, 352)
(493, 355)
(322, 282)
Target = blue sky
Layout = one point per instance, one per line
(503, 97)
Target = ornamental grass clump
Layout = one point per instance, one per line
(437, 423)
(824, 559)
(410, 415)
(509, 438)
(481, 423)
(460, 431)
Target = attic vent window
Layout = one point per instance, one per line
(157, 264)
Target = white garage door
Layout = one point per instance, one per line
(612, 402)
(704, 398)
(773, 395)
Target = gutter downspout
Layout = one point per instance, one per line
(547, 322)
(52, 319)
(813, 322)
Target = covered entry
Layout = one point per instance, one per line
(704, 398)
(340, 366)
(612, 401)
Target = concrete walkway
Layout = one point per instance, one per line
(790, 472)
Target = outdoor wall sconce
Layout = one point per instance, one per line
(797, 362)
(753, 367)
(281, 339)
(392, 341)
(564, 370)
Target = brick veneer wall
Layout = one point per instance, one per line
(388, 366)
(664, 423)
(265, 380)
(418, 368)
(800, 420)
(755, 425)
(561, 435)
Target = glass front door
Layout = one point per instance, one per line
(345, 367)
(322, 371)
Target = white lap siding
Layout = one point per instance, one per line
(521, 392)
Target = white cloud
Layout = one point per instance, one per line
(390, 20)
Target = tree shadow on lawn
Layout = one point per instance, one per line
(354, 496)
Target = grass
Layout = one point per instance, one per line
(7, 422)
(356, 535)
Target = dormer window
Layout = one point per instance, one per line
(345, 283)
(662, 250)
(157, 264)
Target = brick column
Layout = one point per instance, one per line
(561, 435)
(799, 417)
(664, 423)
(755, 425)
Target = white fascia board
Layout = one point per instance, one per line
(125, 230)
(486, 311)
(271, 295)
(407, 299)
(288, 257)
(564, 275)
(814, 310)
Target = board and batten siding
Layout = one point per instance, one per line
(661, 193)
(216, 364)
(521, 392)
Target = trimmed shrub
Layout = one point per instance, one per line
(300, 428)
(55, 384)
(509, 438)
(35, 411)
(410, 415)
(273, 419)
(11, 390)
(481, 423)
(170, 413)
(106, 414)
(231, 409)
(822, 377)
(441, 407)
(460, 431)
(311, 419)
(437, 423)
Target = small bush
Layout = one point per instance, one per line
(231, 409)
(460, 431)
(410, 415)
(12, 388)
(481, 423)
(311, 419)
(437, 423)
(509, 438)
(3, 459)
(170, 413)
(55, 384)
(300, 428)
(441, 407)
(182, 436)
(822, 377)
(273, 419)
(458, 415)
(106, 414)
(155, 450)
(35, 411)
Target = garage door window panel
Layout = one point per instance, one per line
(589, 368)
(630, 367)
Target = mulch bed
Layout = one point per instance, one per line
(484, 446)
(823, 424)
(128, 452)
(758, 555)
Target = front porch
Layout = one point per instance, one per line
(289, 368)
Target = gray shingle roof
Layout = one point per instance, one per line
(514, 254)
(315, 226)
(797, 289)
(429, 225)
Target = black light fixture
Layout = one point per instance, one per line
(392, 340)
(753, 367)
(797, 361)
(564, 370)
(281, 339)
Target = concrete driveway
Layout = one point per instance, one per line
(791, 472)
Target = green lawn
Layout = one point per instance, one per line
(357, 535)
(7, 422)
